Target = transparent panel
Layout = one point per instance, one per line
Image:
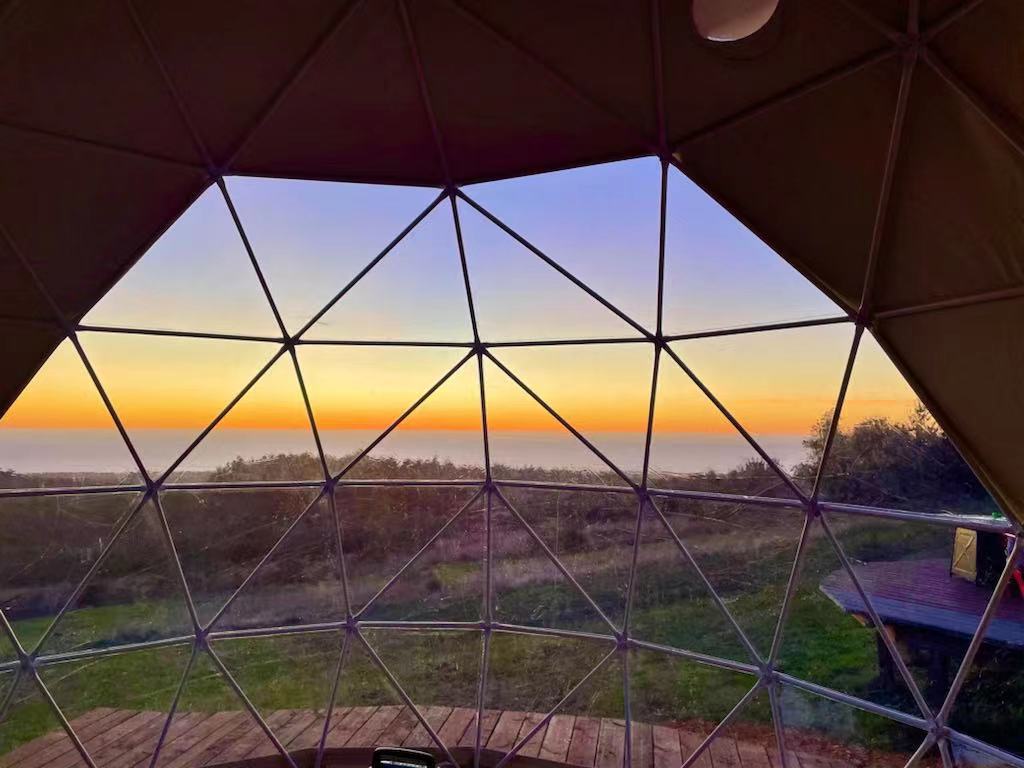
(31, 736)
(385, 527)
(49, 543)
(221, 536)
(59, 433)
(417, 292)
(528, 443)
(366, 703)
(601, 223)
(7, 652)
(528, 677)
(440, 673)
(265, 436)
(675, 703)
(991, 702)
(135, 595)
(694, 447)
(312, 237)
(358, 392)
(140, 684)
(718, 274)
(818, 729)
(602, 390)
(289, 680)
(746, 552)
(672, 605)
(889, 451)
(519, 297)
(440, 440)
(781, 386)
(829, 637)
(528, 587)
(167, 390)
(196, 277)
(591, 533)
(300, 581)
(209, 720)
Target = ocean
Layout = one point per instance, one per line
(85, 450)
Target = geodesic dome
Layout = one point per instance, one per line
(390, 199)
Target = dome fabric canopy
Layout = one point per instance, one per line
(875, 144)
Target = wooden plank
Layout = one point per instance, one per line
(63, 744)
(309, 738)
(532, 747)
(30, 753)
(611, 744)
(461, 727)
(724, 753)
(346, 727)
(100, 741)
(556, 740)
(688, 742)
(503, 737)
(302, 720)
(399, 730)
(209, 731)
(641, 745)
(418, 738)
(146, 735)
(253, 742)
(754, 754)
(583, 745)
(367, 735)
(143, 753)
(667, 753)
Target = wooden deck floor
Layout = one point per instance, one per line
(118, 738)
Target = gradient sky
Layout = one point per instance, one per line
(600, 223)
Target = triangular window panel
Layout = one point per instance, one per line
(210, 718)
(672, 605)
(357, 392)
(528, 443)
(781, 386)
(519, 297)
(600, 223)
(888, 450)
(29, 717)
(695, 447)
(416, 293)
(440, 440)
(265, 436)
(829, 637)
(445, 688)
(819, 729)
(312, 237)
(141, 684)
(603, 391)
(50, 543)
(299, 583)
(384, 528)
(675, 702)
(58, 432)
(366, 704)
(221, 535)
(135, 595)
(528, 587)
(528, 677)
(718, 274)
(289, 680)
(196, 277)
(745, 551)
(7, 652)
(591, 533)
(167, 390)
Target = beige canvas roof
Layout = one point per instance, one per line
(875, 144)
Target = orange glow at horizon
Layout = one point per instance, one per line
(601, 390)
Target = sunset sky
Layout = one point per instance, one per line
(600, 223)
